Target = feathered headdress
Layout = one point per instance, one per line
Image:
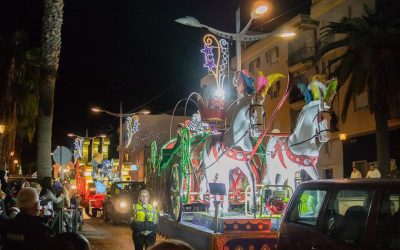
(264, 83)
(316, 87)
(305, 92)
(248, 81)
(331, 90)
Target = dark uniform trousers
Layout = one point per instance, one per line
(140, 240)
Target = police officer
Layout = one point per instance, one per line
(144, 222)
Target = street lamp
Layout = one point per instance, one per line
(259, 9)
(120, 115)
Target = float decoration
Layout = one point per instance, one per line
(132, 127)
(78, 148)
(216, 60)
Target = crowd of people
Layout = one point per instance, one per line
(28, 214)
(28, 211)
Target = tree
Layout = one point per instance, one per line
(372, 62)
(51, 47)
(19, 78)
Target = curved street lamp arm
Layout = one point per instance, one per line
(227, 35)
(246, 28)
(256, 37)
(240, 36)
(111, 113)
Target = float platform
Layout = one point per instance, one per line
(233, 231)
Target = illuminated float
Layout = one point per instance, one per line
(92, 176)
(216, 181)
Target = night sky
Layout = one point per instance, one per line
(130, 51)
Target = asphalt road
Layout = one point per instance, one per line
(103, 236)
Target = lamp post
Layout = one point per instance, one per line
(120, 115)
(259, 9)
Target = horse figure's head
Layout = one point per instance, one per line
(312, 126)
(313, 121)
(245, 115)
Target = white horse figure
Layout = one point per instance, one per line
(231, 150)
(287, 155)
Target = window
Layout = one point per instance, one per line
(272, 55)
(347, 215)
(389, 222)
(306, 207)
(273, 92)
(254, 66)
(361, 101)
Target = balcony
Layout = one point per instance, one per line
(301, 55)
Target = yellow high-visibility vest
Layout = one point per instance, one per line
(140, 213)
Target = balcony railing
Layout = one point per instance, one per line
(301, 55)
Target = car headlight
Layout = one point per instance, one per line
(122, 206)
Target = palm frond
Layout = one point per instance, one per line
(346, 103)
(332, 46)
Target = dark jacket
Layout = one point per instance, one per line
(3, 215)
(25, 231)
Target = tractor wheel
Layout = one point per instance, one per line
(175, 188)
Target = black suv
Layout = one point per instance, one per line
(118, 202)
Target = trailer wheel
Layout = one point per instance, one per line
(87, 210)
(94, 213)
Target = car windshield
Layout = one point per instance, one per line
(127, 187)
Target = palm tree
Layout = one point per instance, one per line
(372, 62)
(19, 77)
(51, 46)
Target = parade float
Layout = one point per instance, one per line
(218, 183)
(92, 173)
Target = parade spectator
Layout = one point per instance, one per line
(172, 245)
(144, 222)
(48, 197)
(373, 172)
(6, 188)
(394, 172)
(3, 212)
(69, 241)
(26, 231)
(355, 174)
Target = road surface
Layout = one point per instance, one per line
(103, 236)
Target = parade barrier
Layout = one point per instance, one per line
(66, 220)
